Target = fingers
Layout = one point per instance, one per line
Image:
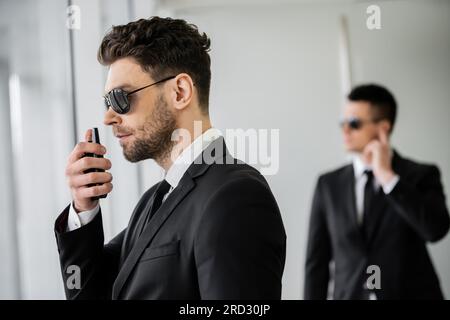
(85, 147)
(382, 133)
(369, 151)
(83, 164)
(89, 178)
(85, 186)
(367, 155)
(371, 146)
(88, 192)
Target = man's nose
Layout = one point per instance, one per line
(111, 117)
(346, 129)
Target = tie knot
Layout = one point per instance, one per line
(369, 174)
(161, 190)
(163, 187)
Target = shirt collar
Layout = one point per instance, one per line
(359, 166)
(188, 155)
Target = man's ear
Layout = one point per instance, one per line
(181, 91)
(386, 126)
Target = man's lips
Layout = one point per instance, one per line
(122, 135)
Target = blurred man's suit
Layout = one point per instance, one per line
(218, 235)
(393, 235)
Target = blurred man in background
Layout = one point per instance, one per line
(374, 217)
(212, 228)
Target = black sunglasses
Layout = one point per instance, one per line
(117, 99)
(355, 123)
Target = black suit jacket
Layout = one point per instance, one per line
(413, 214)
(218, 235)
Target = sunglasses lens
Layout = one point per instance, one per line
(354, 124)
(119, 101)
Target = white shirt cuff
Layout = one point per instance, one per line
(388, 187)
(77, 220)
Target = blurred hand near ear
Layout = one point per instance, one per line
(378, 155)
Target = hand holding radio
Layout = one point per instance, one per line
(85, 172)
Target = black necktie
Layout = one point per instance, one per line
(369, 197)
(160, 192)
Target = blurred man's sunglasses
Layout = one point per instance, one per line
(117, 99)
(354, 123)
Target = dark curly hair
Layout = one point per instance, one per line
(163, 47)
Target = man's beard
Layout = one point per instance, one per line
(154, 139)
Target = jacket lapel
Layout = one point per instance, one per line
(350, 203)
(187, 183)
(132, 234)
(149, 232)
(377, 212)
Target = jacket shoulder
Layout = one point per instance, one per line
(413, 167)
(335, 175)
(232, 171)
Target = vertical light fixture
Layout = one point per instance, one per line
(72, 79)
(15, 113)
(345, 66)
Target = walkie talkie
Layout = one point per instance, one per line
(95, 139)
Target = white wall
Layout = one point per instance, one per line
(277, 66)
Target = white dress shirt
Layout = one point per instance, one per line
(172, 176)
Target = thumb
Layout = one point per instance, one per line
(88, 135)
(366, 155)
(383, 136)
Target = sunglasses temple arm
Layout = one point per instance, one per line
(157, 82)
